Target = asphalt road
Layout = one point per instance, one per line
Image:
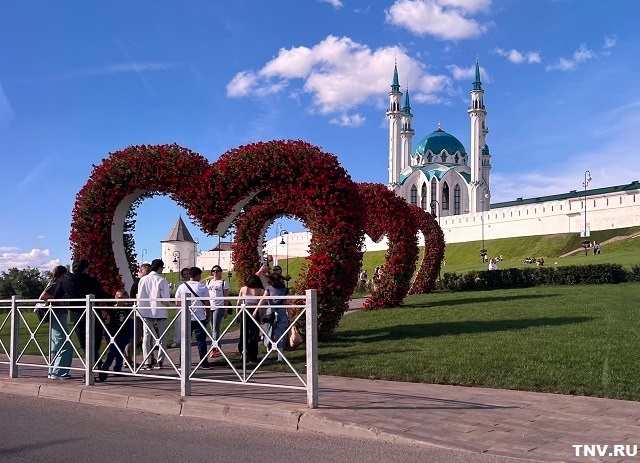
(44, 430)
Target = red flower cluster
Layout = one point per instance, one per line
(390, 215)
(434, 245)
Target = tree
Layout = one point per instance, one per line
(25, 283)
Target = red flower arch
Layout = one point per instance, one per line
(434, 246)
(214, 194)
(390, 215)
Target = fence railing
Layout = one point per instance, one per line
(27, 341)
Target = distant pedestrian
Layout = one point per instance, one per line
(136, 336)
(493, 265)
(151, 288)
(275, 317)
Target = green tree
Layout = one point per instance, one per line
(25, 283)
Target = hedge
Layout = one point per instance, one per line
(537, 276)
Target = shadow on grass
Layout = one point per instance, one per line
(424, 330)
(455, 301)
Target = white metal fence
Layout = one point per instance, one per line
(20, 334)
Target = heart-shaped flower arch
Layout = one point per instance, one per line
(434, 246)
(214, 194)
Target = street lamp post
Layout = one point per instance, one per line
(176, 258)
(485, 196)
(278, 231)
(433, 209)
(282, 233)
(142, 253)
(219, 249)
(587, 179)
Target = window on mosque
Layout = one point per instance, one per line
(456, 159)
(429, 158)
(444, 157)
(414, 195)
(456, 200)
(445, 197)
(434, 189)
(423, 197)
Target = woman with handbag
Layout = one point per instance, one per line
(61, 350)
(250, 294)
(276, 314)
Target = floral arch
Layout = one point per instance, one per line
(213, 195)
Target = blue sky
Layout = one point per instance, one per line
(79, 80)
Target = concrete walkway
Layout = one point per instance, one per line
(527, 425)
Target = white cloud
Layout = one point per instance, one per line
(339, 74)
(460, 73)
(518, 57)
(36, 258)
(7, 248)
(6, 112)
(348, 120)
(581, 55)
(116, 68)
(610, 42)
(334, 3)
(443, 19)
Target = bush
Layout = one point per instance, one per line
(526, 277)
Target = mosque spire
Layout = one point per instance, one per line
(395, 86)
(477, 85)
(407, 106)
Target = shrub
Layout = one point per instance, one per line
(525, 277)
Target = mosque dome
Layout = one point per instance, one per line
(438, 141)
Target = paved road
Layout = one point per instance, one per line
(37, 430)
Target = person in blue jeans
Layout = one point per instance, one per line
(61, 350)
(275, 316)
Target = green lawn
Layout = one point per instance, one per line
(570, 339)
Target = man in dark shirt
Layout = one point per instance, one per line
(77, 285)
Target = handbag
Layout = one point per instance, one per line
(41, 309)
(295, 338)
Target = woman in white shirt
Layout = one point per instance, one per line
(218, 288)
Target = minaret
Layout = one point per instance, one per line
(407, 131)
(480, 165)
(395, 115)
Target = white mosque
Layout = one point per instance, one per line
(441, 177)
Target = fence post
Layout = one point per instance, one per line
(15, 336)
(312, 347)
(89, 341)
(185, 347)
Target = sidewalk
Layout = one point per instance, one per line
(527, 425)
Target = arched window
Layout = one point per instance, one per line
(414, 195)
(445, 197)
(423, 197)
(444, 157)
(429, 157)
(456, 159)
(456, 200)
(434, 189)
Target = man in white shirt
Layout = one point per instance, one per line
(151, 288)
(199, 311)
(184, 274)
(218, 288)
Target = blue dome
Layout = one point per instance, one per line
(438, 141)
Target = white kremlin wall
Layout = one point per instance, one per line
(603, 212)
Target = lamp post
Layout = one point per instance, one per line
(142, 253)
(282, 233)
(433, 210)
(176, 258)
(219, 249)
(587, 179)
(485, 196)
(278, 231)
